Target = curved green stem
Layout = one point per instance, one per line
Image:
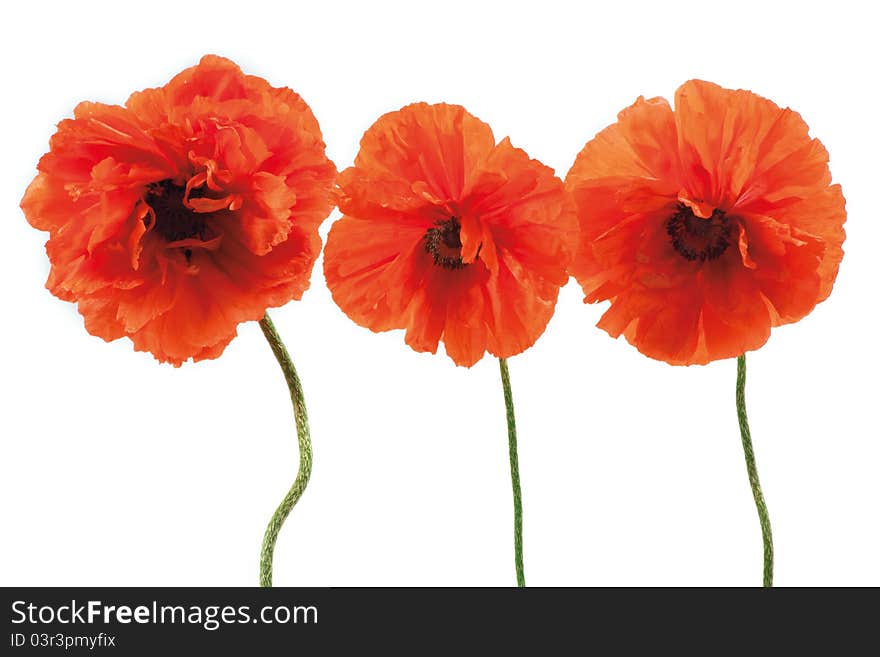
(305, 450)
(752, 468)
(514, 475)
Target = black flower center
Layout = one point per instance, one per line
(443, 242)
(696, 238)
(174, 220)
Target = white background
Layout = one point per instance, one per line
(116, 470)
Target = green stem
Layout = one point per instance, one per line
(763, 515)
(514, 475)
(305, 450)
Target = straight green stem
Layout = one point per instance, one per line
(305, 450)
(752, 468)
(514, 475)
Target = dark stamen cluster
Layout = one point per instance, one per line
(443, 242)
(175, 221)
(696, 238)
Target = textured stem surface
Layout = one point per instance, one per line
(514, 475)
(305, 450)
(752, 468)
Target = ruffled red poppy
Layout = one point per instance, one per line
(449, 236)
(707, 225)
(191, 209)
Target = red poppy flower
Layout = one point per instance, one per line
(706, 225)
(191, 209)
(449, 236)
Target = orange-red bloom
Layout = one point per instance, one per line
(706, 225)
(449, 236)
(191, 209)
